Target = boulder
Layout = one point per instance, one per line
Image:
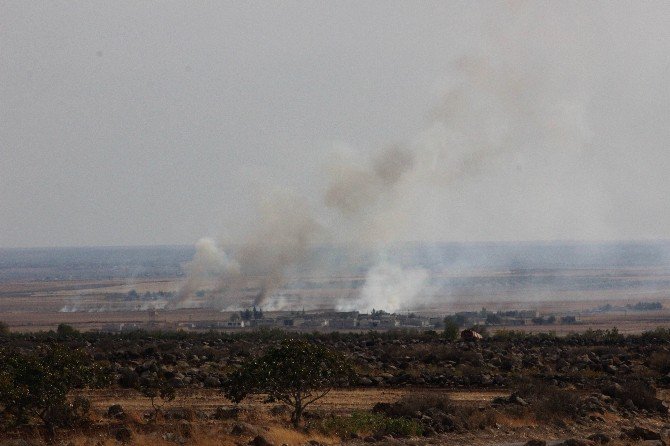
(640, 433)
(116, 411)
(599, 438)
(260, 440)
(122, 434)
(212, 381)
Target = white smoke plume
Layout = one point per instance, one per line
(389, 287)
(279, 242)
(209, 262)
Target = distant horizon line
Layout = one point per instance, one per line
(408, 242)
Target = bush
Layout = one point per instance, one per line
(296, 373)
(157, 386)
(590, 336)
(660, 361)
(36, 384)
(443, 414)
(548, 402)
(367, 423)
(659, 334)
(412, 403)
(642, 395)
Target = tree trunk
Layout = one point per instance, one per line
(297, 411)
(297, 414)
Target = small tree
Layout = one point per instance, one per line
(36, 384)
(4, 329)
(157, 386)
(296, 373)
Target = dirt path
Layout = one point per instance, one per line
(336, 401)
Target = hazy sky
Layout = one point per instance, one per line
(126, 123)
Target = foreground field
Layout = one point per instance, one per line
(197, 409)
(408, 389)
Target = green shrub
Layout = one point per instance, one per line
(642, 395)
(548, 402)
(295, 372)
(659, 334)
(35, 385)
(660, 361)
(368, 423)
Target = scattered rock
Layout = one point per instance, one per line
(260, 440)
(122, 434)
(575, 442)
(212, 381)
(640, 433)
(241, 428)
(599, 438)
(179, 413)
(221, 413)
(116, 411)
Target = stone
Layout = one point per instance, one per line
(122, 434)
(641, 433)
(260, 440)
(599, 438)
(212, 381)
(116, 411)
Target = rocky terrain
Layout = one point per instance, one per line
(595, 388)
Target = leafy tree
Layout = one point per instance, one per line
(36, 384)
(4, 329)
(295, 372)
(157, 386)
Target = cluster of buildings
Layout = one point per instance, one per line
(337, 320)
(352, 320)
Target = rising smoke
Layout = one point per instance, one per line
(502, 108)
(279, 242)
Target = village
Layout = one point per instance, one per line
(250, 319)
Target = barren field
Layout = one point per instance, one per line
(90, 304)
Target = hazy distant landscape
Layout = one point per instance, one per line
(319, 223)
